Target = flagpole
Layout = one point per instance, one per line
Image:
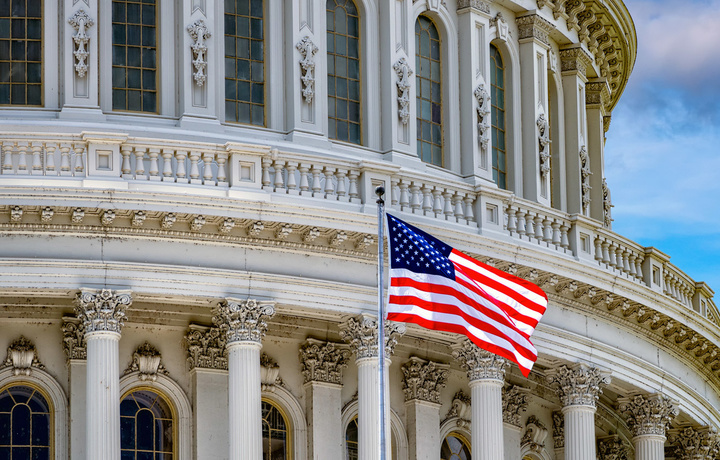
(380, 191)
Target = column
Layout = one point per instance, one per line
(578, 387)
(244, 324)
(422, 382)
(102, 313)
(322, 364)
(695, 443)
(362, 335)
(514, 403)
(648, 416)
(573, 63)
(597, 94)
(486, 372)
(534, 45)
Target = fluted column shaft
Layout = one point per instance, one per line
(580, 432)
(649, 447)
(487, 421)
(369, 409)
(245, 400)
(103, 398)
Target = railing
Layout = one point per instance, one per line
(349, 183)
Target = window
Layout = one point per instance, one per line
(455, 447)
(147, 428)
(25, 422)
(21, 52)
(497, 117)
(275, 433)
(343, 59)
(351, 439)
(429, 92)
(134, 55)
(244, 62)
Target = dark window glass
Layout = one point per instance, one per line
(134, 55)
(146, 426)
(274, 432)
(351, 440)
(497, 117)
(428, 92)
(454, 447)
(244, 62)
(20, 52)
(343, 41)
(25, 421)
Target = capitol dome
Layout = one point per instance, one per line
(189, 234)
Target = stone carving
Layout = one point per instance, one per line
(534, 26)
(514, 403)
(146, 361)
(477, 4)
(168, 221)
(578, 385)
(102, 310)
(544, 144)
(607, 205)
(22, 356)
(585, 178)
(199, 33)
(695, 443)
(612, 448)
(46, 215)
(108, 217)
(363, 243)
(558, 430)
(478, 363)
(323, 361)
(502, 30)
(307, 49)
(243, 320)
(483, 111)
(81, 22)
(74, 339)
(535, 435)
(206, 348)
(16, 213)
(338, 239)
(283, 231)
(311, 234)
(461, 409)
(403, 72)
(197, 223)
(226, 226)
(256, 228)
(648, 414)
(362, 335)
(138, 219)
(423, 380)
(269, 373)
(572, 9)
(574, 59)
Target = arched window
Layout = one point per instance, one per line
(351, 441)
(343, 59)
(428, 92)
(455, 447)
(147, 426)
(244, 62)
(134, 55)
(25, 424)
(21, 52)
(275, 432)
(497, 117)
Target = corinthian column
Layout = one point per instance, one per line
(102, 313)
(701, 443)
(243, 322)
(648, 417)
(486, 372)
(578, 387)
(362, 335)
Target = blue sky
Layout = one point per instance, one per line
(662, 156)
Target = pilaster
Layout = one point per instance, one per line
(80, 62)
(613, 448)
(486, 372)
(76, 352)
(648, 417)
(597, 95)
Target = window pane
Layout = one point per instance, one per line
(24, 423)
(146, 426)
(429, 91)
(497, 117)
(275, 433)
(20, 43)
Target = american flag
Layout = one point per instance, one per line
(440, 288)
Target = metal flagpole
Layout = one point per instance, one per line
(380, 191)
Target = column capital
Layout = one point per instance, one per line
(206, 348)
(479, 5)
(695, 443)
(74, 338)
(648, 414)
(243, 320)
(578, 385)
(323, 361)
(534, 26)
(612, 448)
(575, 59)
(362, 335)
(514, 403)
(102, 310)
(479, 364)
(423, 380)
(597, 93)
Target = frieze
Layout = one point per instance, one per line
(423, 380)
(323, 361)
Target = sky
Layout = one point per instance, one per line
(662, 154)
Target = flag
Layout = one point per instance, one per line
(438, 287)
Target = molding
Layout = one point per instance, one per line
(479, 5)
(575, 59)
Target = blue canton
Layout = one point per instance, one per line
(417, 251)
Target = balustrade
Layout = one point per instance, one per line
(37, 158)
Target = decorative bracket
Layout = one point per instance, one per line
(81, 22)
(199, 33)
(307, 49)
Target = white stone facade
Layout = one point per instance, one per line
(220, 264)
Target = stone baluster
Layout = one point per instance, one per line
(329, 186)
(606, 252)
(304, 183)
(447, 204)
(102, 313)
(521, 222)
(79, 159)
(422, 382)
(555, 228)
(458, 208)
(648, 416)
(486, 372)
(126, 153)
(154, 169)
(65, 159)
(139, 162)
(547, 230)
(631, 264)
(353, 193)
(194, 167)
(701, 443)
(207, 158)
(394, 192)
(416, 197)
(538, 227)
(279, 182)
(362, 335)
(578, 387)
(316, 172)
(511, 219)
(50, 157)
(244, 324)
(265, 164)
(181, 172)
(7, 165)
(564, 240)
(22, 158)
(612, 248)
(340, 190)
(37, 166)
(598, 249)
(221, 158)
(529, 225)
(291, 179)
(437, 201)
(469, 211)
(404, 195)
(638, 267)
(167, 172)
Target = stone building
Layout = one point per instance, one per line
(188, 245)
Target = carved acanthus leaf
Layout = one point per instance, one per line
(648, 414)
(206, 348)
(199, 32)
(362, 335)
(578, 385)
(307, 50)
(478, 363)
(423, 380)
(74, 338)
(243, 320)
(514, 403)
(146, 361)
(403, 72)
(22, 357)
(102, 310)
(695, 443)
(612, 448)
(81, 22)
(323, 361)
(535, 434)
